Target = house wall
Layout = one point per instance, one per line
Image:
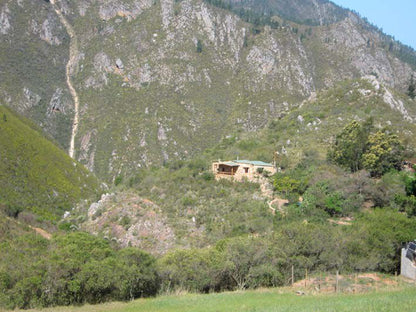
(241, 174)
(407, 267)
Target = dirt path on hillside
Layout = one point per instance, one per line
(73, 52)
(42, 232)
(275, 203)
(278, 203)
(39, 231)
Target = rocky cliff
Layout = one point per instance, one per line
(164, 79)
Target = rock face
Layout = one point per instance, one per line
(131, 221)
(310, 12)
(161, 80)
(4, 20)
(33, 57)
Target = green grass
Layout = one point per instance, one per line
(264, 301)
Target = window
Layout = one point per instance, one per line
(245, 169)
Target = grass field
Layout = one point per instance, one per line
(276, 300)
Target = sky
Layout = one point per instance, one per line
(396, 17)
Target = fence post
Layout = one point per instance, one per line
(293, 275)
(336, 284)
(320, 279)
(355, 282)
(306, 277)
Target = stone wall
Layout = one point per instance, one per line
(244, 171)
(407, 268)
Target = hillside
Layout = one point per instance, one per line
(145, 95)
(158, 81)
(212, 236)
(36, 177)
(307, 12)
(181, 205)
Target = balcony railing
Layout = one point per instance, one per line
(225, 173)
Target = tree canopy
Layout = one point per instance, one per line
(358, 147)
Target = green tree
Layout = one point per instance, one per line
(138, 274)
(322, 197)
(383, 232)
(350, 145)
(411, 90)
(406, 204)
(286, 184)
(199, 46)
(384, 152)
(245, 43)
(194, 269)
(334, 203)
(248, 262)
(410, 183)
(118, 180)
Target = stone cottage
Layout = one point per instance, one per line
(240, 170)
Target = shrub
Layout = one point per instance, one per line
(195, 270)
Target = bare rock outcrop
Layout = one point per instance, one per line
(131, 221)
(5, 20)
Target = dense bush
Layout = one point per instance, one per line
(200, 270)
(372, 243)
(72, 269)
(186, 190)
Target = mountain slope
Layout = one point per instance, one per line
(180, 204)
(164, 80)
(35, 175)
(309, 12)
(32, 65)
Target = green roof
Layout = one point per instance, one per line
(253, 162)
(236, 163)
(229, 163)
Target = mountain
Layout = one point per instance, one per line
(161, 80)
(37, 179)
(145, 94)
(309, 12)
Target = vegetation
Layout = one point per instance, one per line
(199, 46)
(33, 70)
(201, 210)
(262, 12)
(348, 212)
(226, 237)
(411, 90)
(250, 247)
(71, 269)
(357, 147)
(36, 177)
